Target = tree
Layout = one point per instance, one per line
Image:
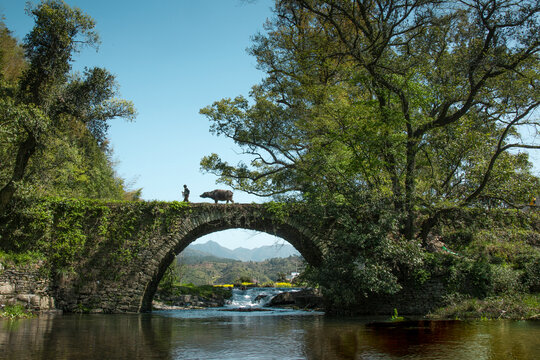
(48, 100)
(11, 55)
(420, 102)
(281, 277)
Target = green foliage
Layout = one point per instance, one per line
(496, 272)
(207, 292)
(510, 306)
(491, 253)
(170, 280)
(506, 280)
(531, 276)
(54, 122)
(15, 312)
(12, 62)
(68, 232)
(471, 277)
(243, 279)
(504, 241)
(279, 210)
(396, 317)
(421, 107)
(179, 207)
(81, 309)
(20, 259)
(366, 256)
(58, 33)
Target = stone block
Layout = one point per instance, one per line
(35, 300)
(6, 288)
(25, 298)
(11, 301)
(46, 303)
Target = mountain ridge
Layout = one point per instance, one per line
(243, 254)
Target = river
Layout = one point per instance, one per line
(233, 332)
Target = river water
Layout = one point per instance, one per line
(233, 332)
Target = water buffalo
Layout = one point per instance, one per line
(219, 195)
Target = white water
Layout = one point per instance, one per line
(254, 297)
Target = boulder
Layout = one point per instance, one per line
(260, 297)
(284, 298)
(305, 299)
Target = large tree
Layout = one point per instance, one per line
(48, 102)
(421, 102)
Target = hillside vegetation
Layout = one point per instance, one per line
(54, 121)
(205, 270)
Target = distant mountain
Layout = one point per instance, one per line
(259, 254)
(192, 256)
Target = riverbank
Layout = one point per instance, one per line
(507, 307)
(189, 296)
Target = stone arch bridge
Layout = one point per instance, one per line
(126, 253)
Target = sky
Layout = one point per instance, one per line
(171, 58)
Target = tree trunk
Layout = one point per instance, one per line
(408, 229)
(26, 149)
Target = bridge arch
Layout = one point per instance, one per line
(205, 219)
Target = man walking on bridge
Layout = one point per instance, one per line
(185, 193)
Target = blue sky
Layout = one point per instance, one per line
(171, 58)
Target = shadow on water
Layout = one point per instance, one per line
(211, 334)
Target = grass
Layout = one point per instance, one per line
(15, 312)
(20, 259)
(515, 307)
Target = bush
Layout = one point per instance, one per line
(170, 279)
(531, 276)
(367, 256)
(505, 280)
(470, 277)
(460, 238)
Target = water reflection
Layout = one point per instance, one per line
(425, 340)
(280, 335)
(87, 337)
